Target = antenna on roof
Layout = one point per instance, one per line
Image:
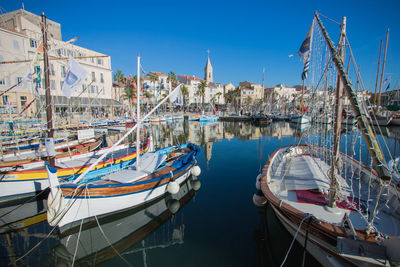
(23, 5)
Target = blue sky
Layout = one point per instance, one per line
(243, 36)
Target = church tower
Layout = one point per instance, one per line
(208, 71)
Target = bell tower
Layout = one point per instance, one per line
(208, 71)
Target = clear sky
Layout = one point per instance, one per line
(242, 36)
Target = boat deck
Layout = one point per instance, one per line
(302, 181)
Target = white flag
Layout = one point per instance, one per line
(176, 96)
(76, 75)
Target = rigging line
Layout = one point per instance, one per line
(12, 87)
(294, 238)
(363, 87)
(329, 19)
(35, 246)
(77, 241)
(105, 237)
(29, 200)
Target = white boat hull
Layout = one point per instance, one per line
(83, 208)
(301, 119)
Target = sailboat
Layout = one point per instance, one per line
(133, 226)
(150, 177)
(343, 212)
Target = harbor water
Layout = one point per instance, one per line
(212, 221)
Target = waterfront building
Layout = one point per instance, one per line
(250, 93)
(95, 96)
(13, 47)
(281, 92)
(229, 87)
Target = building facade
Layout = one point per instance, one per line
(95, 95)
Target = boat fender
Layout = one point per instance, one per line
(195, 184)
(173, 205)
(258, 182)
(55, 206)
(195, 171)
(173, 186)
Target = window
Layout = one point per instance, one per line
(19, 81)
(100, 61)
(61, 84)
(101, 78)
(52, 84)
(2, 82)
(33, 43)
(92, 60)
(63, 72)
(93, 76)
(16, 44)
(52, 72)
(23, 101)
(5, 99)
(102, 90)
(92, 89)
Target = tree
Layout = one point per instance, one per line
(172, 79)
(129, 94)
(154, 79)
(218, 95)
(201, 91)
(185, 92)
(118, 76)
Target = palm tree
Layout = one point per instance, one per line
(118, 76)
(236, 97)
(154, 79)
(218, 95)
(185, 92)
(201, 91)
(172, 79)
(129, 94)
(147, 96)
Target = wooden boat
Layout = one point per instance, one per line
(148, 178)
(329, 230)
(133, 226)
(380, 120)
(162, 172)
(301, 119)
(342, 211)
(60, 153)
(21, 184)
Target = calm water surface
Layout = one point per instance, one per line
(215, 225)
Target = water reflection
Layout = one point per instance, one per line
(119, 234)
(231, 159)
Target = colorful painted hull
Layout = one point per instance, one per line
(82, 202)
(301, 119)
(21, 184)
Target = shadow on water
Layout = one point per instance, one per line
(273, 242)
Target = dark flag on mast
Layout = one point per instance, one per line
(305, 51)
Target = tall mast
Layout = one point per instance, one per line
(49, 112)
(383, 67)
(138, 115)
(377, 72)
(369, 136)
(334, 186)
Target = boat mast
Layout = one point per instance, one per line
(49, 111)
(138, 115)
(377, 72)
(369, 136)
(383, 67)
(334, 185)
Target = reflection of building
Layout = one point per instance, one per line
(208, 151)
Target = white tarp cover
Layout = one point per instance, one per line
(306, 173)
(149, 162)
